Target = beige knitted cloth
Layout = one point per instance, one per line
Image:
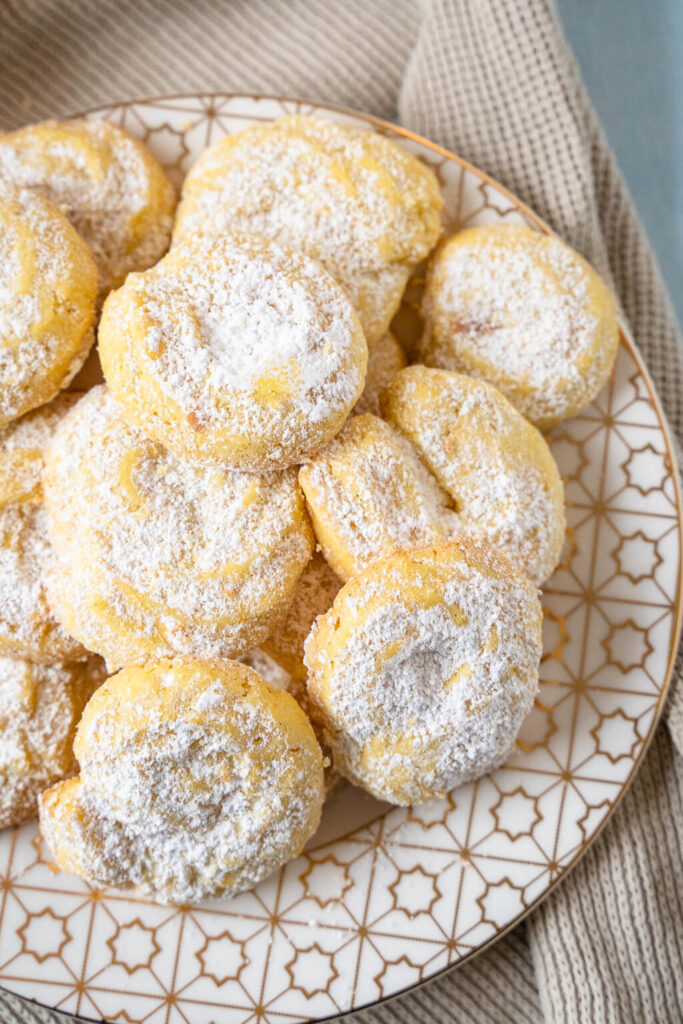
(492, 80)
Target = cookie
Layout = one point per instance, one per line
(157, 557)
(197, 780)
(523, 311)
(423, 670)
(234, 351)
(364, 207)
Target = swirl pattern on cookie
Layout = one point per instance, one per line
(523, 311)
(48, 286)
(197, 779)
(157, 556)
(352, 199)
(496, 467)
(234, 351)
(108, 184)
(423, 670)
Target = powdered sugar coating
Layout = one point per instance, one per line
(156, 556)
(424, 668)
(28, 626)
(197, 780)
(40, 706)
(108, 184)
(352, 199)
(368, 494)
(495, 466)
(234, 350)
(295, 684)
(48, 285)
(524, 311)
(22, 445)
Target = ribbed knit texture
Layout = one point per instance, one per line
(494, 81)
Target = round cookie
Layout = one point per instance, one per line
(385, 358)
(40, 706)
(525, 312)
(424, 668)
(352, 199)
(497, 468)
(368, 494)
(48, 286)
(156, 556)
(234, 351)
(108, 184)
(197, 780)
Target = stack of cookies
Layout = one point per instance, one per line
(301, 552)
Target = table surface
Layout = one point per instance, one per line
(630, 55)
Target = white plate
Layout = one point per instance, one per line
(385, 898)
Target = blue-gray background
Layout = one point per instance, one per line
(631, 57)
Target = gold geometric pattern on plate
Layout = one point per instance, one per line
(385, 898)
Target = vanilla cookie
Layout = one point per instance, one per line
(352, 199)
(40, 706)
(368, 494)
(156, 556)
(234, 351)
(108, 184)
(197, 780)
(423, 670)
(495, 466)
(522, 310)
(48, 286)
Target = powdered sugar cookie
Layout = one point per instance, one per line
(40, 706)
(352, 199)
(108, 184)
(424, 668)
(234, 351)
(385, 358)
(197, 779)
(497, 468)
(368, 494)
(524, 311)
(48, 285)
(157, 556)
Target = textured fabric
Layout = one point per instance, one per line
(494, 81)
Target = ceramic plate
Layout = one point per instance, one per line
(384, 898)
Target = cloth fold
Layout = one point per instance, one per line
(495, 82)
